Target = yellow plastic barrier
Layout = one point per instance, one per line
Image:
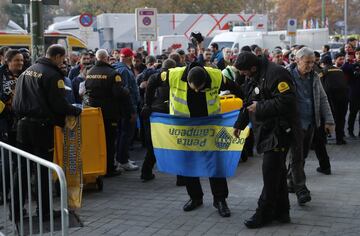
(230, 103)
(93, 147)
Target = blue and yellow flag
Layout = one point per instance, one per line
(198, 147)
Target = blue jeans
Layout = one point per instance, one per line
(124, 134)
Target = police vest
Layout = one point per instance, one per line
(178, 92)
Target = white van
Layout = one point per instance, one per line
(314, 38)
(239, 39)
(169, 41)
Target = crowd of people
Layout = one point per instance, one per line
(295, 97)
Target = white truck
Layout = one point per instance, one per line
(313, 38)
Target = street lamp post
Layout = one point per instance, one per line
(323, 13)
(37, 29)
(346, 19)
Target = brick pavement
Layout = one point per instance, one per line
(129, 207)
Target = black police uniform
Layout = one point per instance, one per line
(104, 88)
(156, 100)
(40, 104)
(337, 90)
(273, 90)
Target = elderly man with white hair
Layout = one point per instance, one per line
(104, 87)
(312, 105)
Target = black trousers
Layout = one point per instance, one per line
(274, 198)
(110, 135)
(150, 159)
(339, 110)
(218, 186)
(35, 137)
(354, 110)
(319, 143)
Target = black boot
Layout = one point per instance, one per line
(222, 207)
(147, 177)
(258, 220)
(303, 196)
(192, 204)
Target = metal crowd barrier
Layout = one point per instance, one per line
(16, 158)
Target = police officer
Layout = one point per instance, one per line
(40, 104)
(336, 89)
(202, 86)
(157, 100)
(105, 89)
(270, 105)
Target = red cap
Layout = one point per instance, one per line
(126, 52)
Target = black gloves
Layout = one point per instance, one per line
(146, 112)
(77, 111)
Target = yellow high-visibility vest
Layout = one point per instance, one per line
(178, 92)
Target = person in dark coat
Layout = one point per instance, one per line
(104, 88)
(337, 91)
(156, 100)
(39, 104)
(270, 104)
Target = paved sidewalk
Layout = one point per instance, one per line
(129, 207)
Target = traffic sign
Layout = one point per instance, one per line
(146, 24)
(85, 19)
(291, 27)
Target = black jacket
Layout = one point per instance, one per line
(157, 94)
(334, 83)
(105, 89)
(275, 113)
(40, 93)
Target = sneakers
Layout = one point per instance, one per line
(129, 166)
(132, 162)
(303, 196)
(324, 171)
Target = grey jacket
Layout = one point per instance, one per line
(321, 104)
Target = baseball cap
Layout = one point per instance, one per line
(126, 52)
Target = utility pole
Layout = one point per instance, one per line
(345, 20)
(323, 13)
(37, 29)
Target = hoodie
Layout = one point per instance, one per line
(129, 81)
